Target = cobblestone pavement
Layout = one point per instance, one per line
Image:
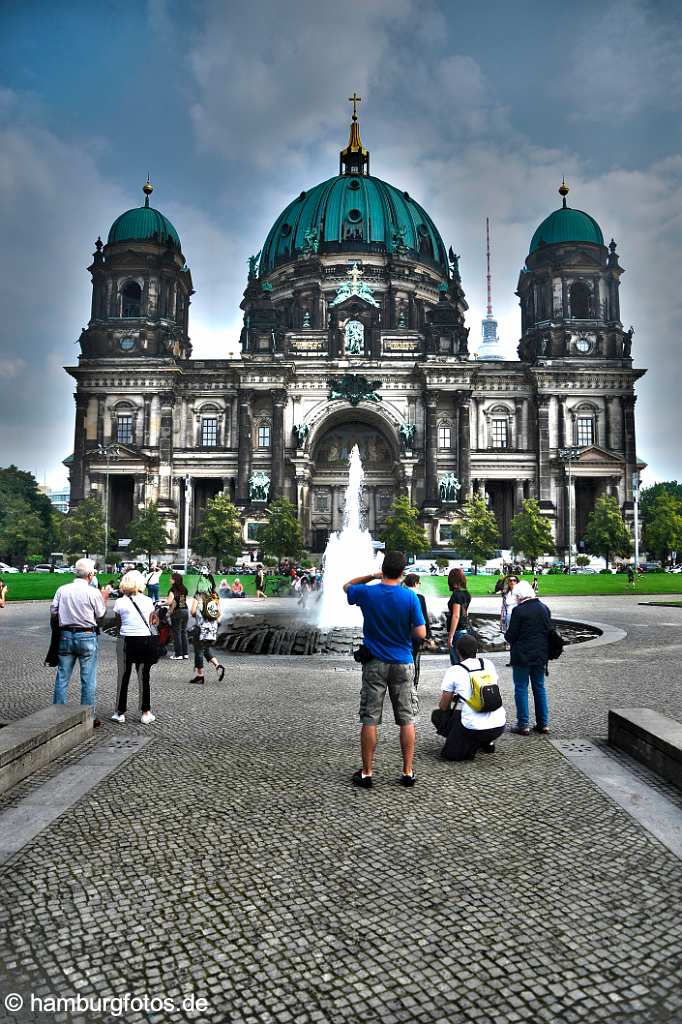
(232, 859)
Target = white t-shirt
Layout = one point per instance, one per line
(131, 620)
(509, 603)
(153, 577)
(456, 680)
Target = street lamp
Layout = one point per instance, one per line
(568, 456)
(107, 452)
(187, 480)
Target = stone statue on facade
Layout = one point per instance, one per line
(356, 287)
(259, 486)
(311, 241)
(627, 342)
(354, 388)
(301, 430)
(398, 239)
(448, 486)
(253, 266)
(407, 433)
(454, 259)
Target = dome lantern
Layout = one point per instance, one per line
(354, 159)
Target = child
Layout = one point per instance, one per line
(467, 730)
(207, 615)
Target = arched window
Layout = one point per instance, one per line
(131, 300)
(263, 434)
(125, 423)
(499, 427)
(580, 299)
(585, 425)
(444, 435)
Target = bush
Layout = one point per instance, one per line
(604, 572)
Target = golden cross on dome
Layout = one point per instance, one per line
(355, 99)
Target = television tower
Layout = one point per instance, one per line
(490, 346)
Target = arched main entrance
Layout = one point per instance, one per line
(329, 474)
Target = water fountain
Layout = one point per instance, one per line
(348, 554)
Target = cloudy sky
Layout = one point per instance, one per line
(234, 108)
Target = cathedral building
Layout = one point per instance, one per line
(354, 333)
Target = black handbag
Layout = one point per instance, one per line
(363, 655)
(152, 646)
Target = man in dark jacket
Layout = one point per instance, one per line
(527, 635)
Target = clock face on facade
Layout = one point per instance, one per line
(127, 344)
(583, 344)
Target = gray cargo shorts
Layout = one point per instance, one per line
(377, 677)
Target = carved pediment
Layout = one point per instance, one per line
(582, 257)
(596, 455)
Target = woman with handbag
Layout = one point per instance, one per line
(137, 644)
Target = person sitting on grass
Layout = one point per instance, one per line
(466, 729)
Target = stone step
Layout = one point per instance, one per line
(32, 742)
(649, 737)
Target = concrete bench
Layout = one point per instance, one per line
(32, 742)
(649, 737)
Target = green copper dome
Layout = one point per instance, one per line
(353, 213)
(567, 225)
(144, 224)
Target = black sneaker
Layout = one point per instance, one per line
(364, 781)
(489, 748)
(544, 729)
(408, 780)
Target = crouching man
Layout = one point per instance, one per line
(470, 714)
(392, 619)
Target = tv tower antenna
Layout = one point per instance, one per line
(487, 256)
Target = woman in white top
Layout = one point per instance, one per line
(467, 730)
(509, 603)
(137, 620)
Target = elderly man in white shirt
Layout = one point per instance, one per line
(77, 607)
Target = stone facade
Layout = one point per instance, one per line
(354, 341)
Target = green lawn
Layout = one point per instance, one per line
(572, 586)
(41, 586)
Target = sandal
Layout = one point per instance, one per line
(220, 669)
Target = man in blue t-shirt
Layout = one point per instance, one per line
(392, 618)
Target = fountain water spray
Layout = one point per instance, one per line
(348, 554)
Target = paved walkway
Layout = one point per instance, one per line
(232, 860)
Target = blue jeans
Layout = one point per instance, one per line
(81, 647)
(153, 591)
(534, 674)
(454, 656)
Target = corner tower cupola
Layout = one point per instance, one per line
(354, 159)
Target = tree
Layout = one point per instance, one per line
(531, 532)
(281, 535)
(582, 560)
(402, 531)
(16, 485)
(22, 531)
(607, 533)
(648, 496)
(83, 528)
(220, 533)
(662, 531)
(478, 535)
(148, 532)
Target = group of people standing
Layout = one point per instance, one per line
(470, 714)
(78, 608)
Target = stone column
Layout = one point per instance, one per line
(544, 476)
(464, 447)
(431, 450)
(78, 468)
(279, 399)
(518, 495)
(525, 438)
(245, 446)
(147, 422)
(629, 442)
(518, 424)
(100, 420)
(167, 401)
(564, 296)
(561, 423)
(614, 437)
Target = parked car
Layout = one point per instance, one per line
(673, 568)
(43, 568)
(650, 567)
(5, 568)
